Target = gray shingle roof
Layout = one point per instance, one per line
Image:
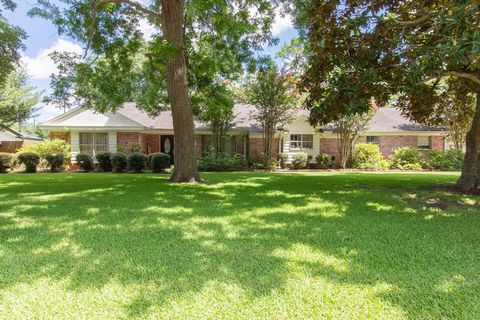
(385, 120)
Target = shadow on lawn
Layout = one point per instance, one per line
(173, 239)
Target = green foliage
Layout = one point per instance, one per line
(137, 161)
(222, 162)
(159, 161)
(324, 161)
(446, 160)
(10, 42)
(55, 146)
(104, 161)
(299, 160)
(406, 158)
(135, 147)
(30, 160)
(6, 161)
(55, 161)
(17, 99)
(282, 159)
(366, 156)
(85, 161)
(119, 161)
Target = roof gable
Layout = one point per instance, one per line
(88, 118)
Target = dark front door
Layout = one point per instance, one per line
(166, 146)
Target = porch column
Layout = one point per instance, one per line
(74, 145)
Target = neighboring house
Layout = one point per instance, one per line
(91, 132)
(11, 140)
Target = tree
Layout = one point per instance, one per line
(10, 42)
(349, 128)
(215, 108)
(273, 95)
(406, 47)
(17, 99)
(195, 42)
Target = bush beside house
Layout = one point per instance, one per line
(299, 160)
(55, 161)
(366, 156)
(324, 161)
(104, 162)
(85, 161)
(30, 160)
(119, 161)
(137, 162)
(159, 161)
(6, 161)
(446, 160)
(222, 162)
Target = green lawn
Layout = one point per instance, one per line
(243, 245)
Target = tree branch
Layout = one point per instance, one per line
(416, 21)
(465, 75)
(137, 6)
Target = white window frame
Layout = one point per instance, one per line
(422, 144)
(93, 147)
(300, 141)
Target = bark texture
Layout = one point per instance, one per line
(470, 178)
(185, 166)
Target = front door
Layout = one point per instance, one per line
(166, 146)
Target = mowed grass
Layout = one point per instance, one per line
(242, 246)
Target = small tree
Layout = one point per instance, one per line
(349, 128)
(214, 106)
(17, 99)
(274, 97)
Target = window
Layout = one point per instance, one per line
(424, 142)
(301, 141)
(93, 142)
(373, 139)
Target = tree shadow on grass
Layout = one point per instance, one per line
(250, 230)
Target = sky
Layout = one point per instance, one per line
(44, 39)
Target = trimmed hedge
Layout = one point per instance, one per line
(222, 162)
(6, 161)
(406, 158)
(159, 161)
(55, 161)
(104, 162)
(119, 161)
(85, 161)
(137, 162)
(446, 160)
(30, 160)
(324, 161)
(366, 156)
(299, 160)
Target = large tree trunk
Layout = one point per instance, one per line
(470, 178)
(185, 167)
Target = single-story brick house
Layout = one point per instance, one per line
(91, 132)
(12, 140)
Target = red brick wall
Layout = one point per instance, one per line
(240, 144)
(329, 146)
(255, 148)
(150, 139)
(437, 142)
(389, 143)
(125, 139)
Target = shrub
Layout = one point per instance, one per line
(324, 161)
(222, 162)
(159, 161)
(135, 147)
(55, 161)
(366, 156)
(119, 161)
(406, 158)
(85, 161)
(137, 161)
(299, 160)
(6, 160)
(55, 146)
(282, 159)
(104, 162)
(30, 160)
(446, 160)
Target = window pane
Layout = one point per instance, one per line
(307, 141)
(101, 142)
(373, 139)
(424, 142)
(86, 142)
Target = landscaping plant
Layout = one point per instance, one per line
(366, 156)
(159, 161)
(119, 161)
(406, 158)
(104, 161)
(55, 161)
(137, 162)
(446, 160)
(222, 162)
(85, 161)
(30, 160)
(6, 160)
(324, 161)
(282, 159)
(299, 160)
